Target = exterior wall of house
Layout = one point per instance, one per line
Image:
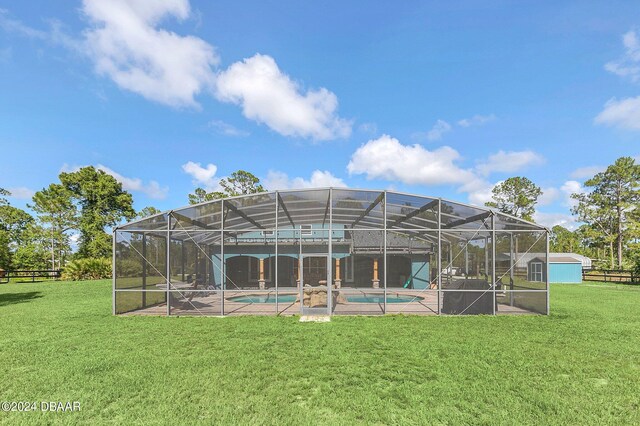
(318, 232)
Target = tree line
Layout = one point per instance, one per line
(607, 210)
(86, 203)
(82, 205)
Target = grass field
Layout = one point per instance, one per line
(580, 365)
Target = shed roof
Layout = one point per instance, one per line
(557, 259)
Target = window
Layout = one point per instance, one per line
(348, 270)
(536, 271)
(268, 233)
(306, 230)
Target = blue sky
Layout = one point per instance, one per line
(424, 97)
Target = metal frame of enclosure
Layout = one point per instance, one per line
(328, 251)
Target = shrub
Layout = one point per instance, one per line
(128, 268)
(87, 269)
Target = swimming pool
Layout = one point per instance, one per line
(264, 298)
(291, 298)
(391, 298)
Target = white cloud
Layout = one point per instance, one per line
(509, 162)
(54, 34)
(553, 194)
(624, 113)
(476, 120)
(205, 176)
(151, 189)
(370, 128)
(587, 172)
(66, 168)
(549, 195)
(440, 128)
(479, 191)
(125, 44)
(552, 219)
(14, 26)
(227, 129)
(319, 179)
(387, 158)
(571, 187)
(74, 239)
(269, 96)
(629, 65)
(21, 193)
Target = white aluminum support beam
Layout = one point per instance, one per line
(493, 262)
(439, 262)
(330, 257)
(113, 270)
(276, 248)
(384, 262)
(168, 260)
(547, 280)
(223, 263)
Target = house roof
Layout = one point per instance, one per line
(369, 239)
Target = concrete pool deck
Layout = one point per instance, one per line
(208, 303)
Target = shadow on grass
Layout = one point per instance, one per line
(13, 298)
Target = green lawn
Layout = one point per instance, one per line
(580, 365)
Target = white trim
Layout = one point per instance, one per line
(534, 271)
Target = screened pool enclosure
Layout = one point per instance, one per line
(328, 252)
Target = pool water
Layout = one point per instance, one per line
(291, 298)
(380, 299)
(264, 298)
